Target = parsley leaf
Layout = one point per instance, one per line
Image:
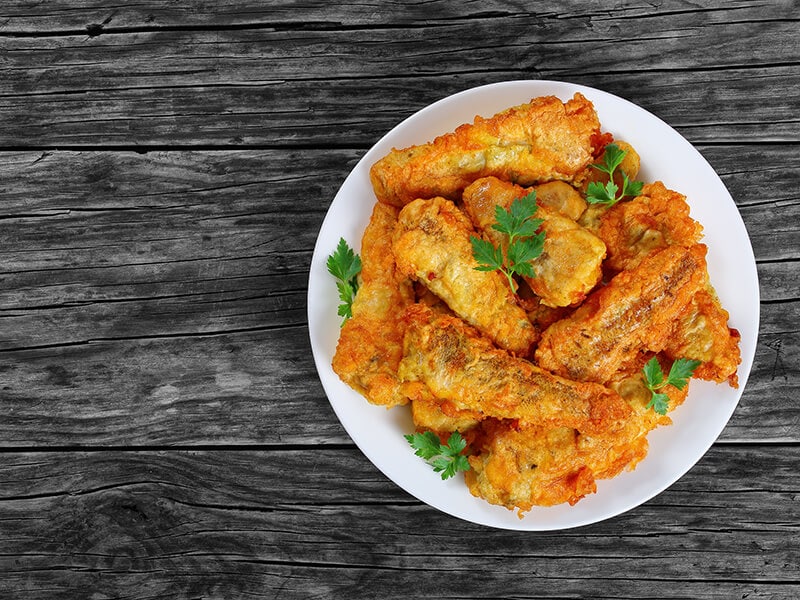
(659, 402)
(609, 194)
(345, 265)
(678, 376)
(630, 188)
(444, 458)
(680, 372)
(597, 193)
(524, 244)
(612, 158)
(489, 258)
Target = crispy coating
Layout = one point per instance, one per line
(441, 416)
(542, 140)
(432, 246)
(702, 333)
(658, 218)
(636, 311)
(570, 264)
(521, 467)
(371, 342)
(445, 357)
(562, 197)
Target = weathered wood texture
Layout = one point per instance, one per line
(289, 77)
(164, 171)
(262, 525)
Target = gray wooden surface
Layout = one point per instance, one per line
(164, 171)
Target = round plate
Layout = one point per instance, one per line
(666, 156)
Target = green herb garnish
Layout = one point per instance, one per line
(679, 374)
(524, 244)
(444, 458)
(609, 194)
(345, 265)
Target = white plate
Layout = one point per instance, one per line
(666, 156)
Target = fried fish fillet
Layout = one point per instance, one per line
(657, 218)
(371, 342)
(570, 264)
(522, 467)
(542, 140)
(702, 333)
(441, 416)
(561, 197)
(636, 311)
(432, 245)
(445, 357)
(525, 466)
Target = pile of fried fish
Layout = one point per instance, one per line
(544, 381)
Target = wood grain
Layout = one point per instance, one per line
(137, 524)
(164, 171)
(289, 84)
(65, 15)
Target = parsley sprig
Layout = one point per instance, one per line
(679, 374)
(444, 458)
(524, 244)
(345, 265)
(609, 194)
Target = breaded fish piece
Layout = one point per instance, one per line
(657, 218)
(702, 333)
(371, 342)
(432, 246)
(570, 264)
(522, 467)
(636, 311)
(542, 140)
(561, 197)
(441, 417)
(452, 361)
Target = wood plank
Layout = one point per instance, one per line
(17, 16)
(278, 86)
(126, 245)
(764, 191)
(754, 106)
(218, 524)
(257, 387)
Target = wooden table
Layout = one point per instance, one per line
(164, 171)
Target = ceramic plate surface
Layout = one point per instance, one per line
(666, 156)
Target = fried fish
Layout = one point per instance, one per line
(432, 245)
(448, 359)
(570, 264)
(635, 312)
(657, 218)
(702, 333)
(543, 140)
(525, 466)
(371, 342)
